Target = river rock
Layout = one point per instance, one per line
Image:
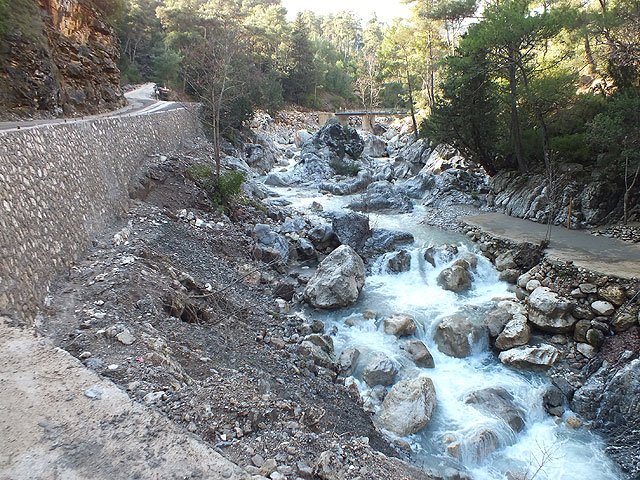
(348, 186)
(600, 307)
(323, 237)
(554, 401)
(417, 186)
(381, 370)
(456, 335)
(516, 333)
(319, 356)
(580, 330)
(610, 398)
(301, 137)
(348, 361)
(505, 261)
(341, 140)
(375, 147)
(595, 337)
(588, 288)
(500, 403)
(456, 279)
(482, 444)
(497, 319)
(530, 358)
(352, 229)
(408, 406)
(382, 241)
(614, 294)
(305, 249)
(276, 180)
(381, 197)
(419, 353)
(550, 312)
(399, 262)
(270, 244)
(509, 275)
(325, 342)
(400, 325)
(338, 281)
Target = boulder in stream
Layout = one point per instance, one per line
(400, 325)
(530, 358)
(456, 279)
(500, 403)
(456, 335)
(352, 229)
(399, 262)
(419, 353)
(338, 281)
(516, 333)
(381, 370)
(408, 406)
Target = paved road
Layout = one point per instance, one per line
(600, 254)
(141, 101)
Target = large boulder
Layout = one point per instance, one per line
(381, 197)
(530, 358)
(349, 186)
(408, 406)
(383, 241)
(610, 398)
(550, 312)
(456, 335)
(456, 279)
(500, 403)
(340, 140)
(338, 281)
(381, 370)
(352, 229)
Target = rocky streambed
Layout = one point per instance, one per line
(322, 328)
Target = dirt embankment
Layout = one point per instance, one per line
(173, 308)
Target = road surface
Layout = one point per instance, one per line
(604, 255)
(141, 101)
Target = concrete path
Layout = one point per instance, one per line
(141, 101)
(597, 253)
(62, 421)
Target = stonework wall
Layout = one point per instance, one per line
(60, 184)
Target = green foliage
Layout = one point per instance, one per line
(21, 16)
(4, 15)
(345, 167)
(222, 190)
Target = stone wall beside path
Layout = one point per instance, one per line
(60, 184)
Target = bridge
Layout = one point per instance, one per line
(368, 117)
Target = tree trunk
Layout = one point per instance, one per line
(516, 134)
(413, 109)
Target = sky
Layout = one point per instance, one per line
(385, 10)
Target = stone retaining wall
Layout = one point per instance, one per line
(60, 184)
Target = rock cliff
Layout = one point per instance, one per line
(57, 58)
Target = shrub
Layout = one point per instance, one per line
(221, 190)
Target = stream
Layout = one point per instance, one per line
(455, 437)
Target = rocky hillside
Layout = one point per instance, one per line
(57, 57)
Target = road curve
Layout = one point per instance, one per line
(141, 101)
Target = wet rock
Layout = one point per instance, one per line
(408, 406)
(456, 335)
(497, 319)
(610, 398)
(613, 294)
(382, 241)
(530, 358)
(455, 279)
(400, 325)
(554, 401)
(482, 444)
(532, 285)
(516, 333)
(381, 370)
(603, 308)
(348, 361)
(338, 281)
(399, 262)
(419, 353)
(550, 312)
(500, 403)
(582, 312)
(352, 229)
